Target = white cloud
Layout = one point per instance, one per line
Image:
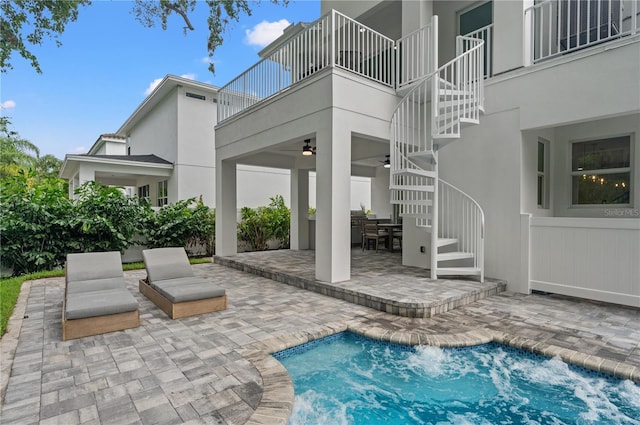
(79, 149)
(207, 60)
(152, 86)
(154, 83)
(8, 104)
(265, 32)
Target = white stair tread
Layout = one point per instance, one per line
(417, 216)
(454, 92)
(414, 172)
(426, 202)
(461, 271)
(446, 241)
(424, 155)
(413, 188)
(446, 256)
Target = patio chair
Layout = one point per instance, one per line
(172, 286)
(96, 299)
(375, 234)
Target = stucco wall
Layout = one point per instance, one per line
(485, 163)
(195, 158)
(157, 132)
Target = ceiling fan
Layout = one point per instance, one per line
(387, 162)
(307, 149)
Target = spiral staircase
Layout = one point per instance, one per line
(431, 115)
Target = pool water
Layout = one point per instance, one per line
(349, 379)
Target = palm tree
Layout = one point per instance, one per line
(15, 152)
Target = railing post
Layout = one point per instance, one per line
(434, 43)
(332, 41)
(434, 220)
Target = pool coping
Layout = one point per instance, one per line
(277, 399)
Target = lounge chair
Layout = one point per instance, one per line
(172, 286)
(96, 299)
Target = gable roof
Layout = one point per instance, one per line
(167, 84)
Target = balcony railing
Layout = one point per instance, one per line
(333, 40)
(563, 26)
(416, 54)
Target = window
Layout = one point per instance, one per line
(601, 171)
(163, 197)
(476, 18)
(543, 173)
(143, 193)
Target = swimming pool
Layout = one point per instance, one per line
(349, 379)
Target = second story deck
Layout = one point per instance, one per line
(551, 28)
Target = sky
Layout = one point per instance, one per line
(108, 63)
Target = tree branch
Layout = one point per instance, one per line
(182, 13)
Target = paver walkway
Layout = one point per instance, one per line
(204, 369)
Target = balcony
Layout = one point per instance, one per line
(559, 27)
(336, 41)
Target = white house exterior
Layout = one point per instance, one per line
(165, 151)
(529, 174)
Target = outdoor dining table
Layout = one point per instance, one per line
(391, 228)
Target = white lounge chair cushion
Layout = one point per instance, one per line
(99, 303)
(166, 263)
(93, 265)
(96, 285)
(188, 289)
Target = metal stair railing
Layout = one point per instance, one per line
(456, 91)
(462, 218)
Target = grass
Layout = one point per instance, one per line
(10, 288)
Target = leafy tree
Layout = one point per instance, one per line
(221, 13)
(48, 18)
(29, 22)
(48, 166)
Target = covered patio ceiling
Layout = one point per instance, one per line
(367, 155)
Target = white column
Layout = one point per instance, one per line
(85, 174)
(226, 226)
(299, 209)
(380, 194)
(333, 194)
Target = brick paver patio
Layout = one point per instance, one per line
(215, 368)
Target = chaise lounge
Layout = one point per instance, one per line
(172, 286)
(96, 299)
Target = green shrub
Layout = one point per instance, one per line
(39, 224)
(104, 219)
(34, 224)
(182, 224)
(260, 225)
